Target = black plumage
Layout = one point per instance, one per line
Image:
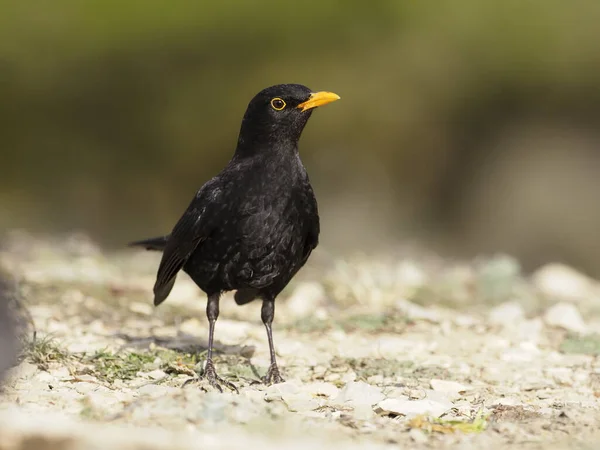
(254, 225)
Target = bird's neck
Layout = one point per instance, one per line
(267, 145)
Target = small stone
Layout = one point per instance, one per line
(305, 299)
(349, 376)
(507, 314)
(333, 377)
(411, 408)
(526, 351)
(233, 332)
(357, 393)
(417, 394)
(156, 374)
(418, 436)
(192, 327)
(300, 402)
(450, 387)
(375, 379)
(253, 394)
(543, 395)
(87, 378)
(363, 412)
(165, 332)
(564, 282)
(565, 315)
(410, 276)
(141, 308)
(560, 375)
(465, 320)
(85, 388)
(416, 312)
(279, 391)
(321, 389)
(46, 377)
(155, 390)
(102, 399)
(213, 407)
(23, 371)
(505, 401)
(247, 351)
(529, 330)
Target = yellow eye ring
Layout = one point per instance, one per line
(277, 104)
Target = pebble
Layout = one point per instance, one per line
(560, 281)
(193, 327)
(297, 397)
(416, 312)
(506, 401)
(155, 390)
(363, 412)
(417, 394)
(418, 436)
(156, 374)
(102, 399)
(529, 330)
(306, 298)
(560, 375)
(565, 315)
(323, 389)
(141, 308)
(411, 408)
(507, 314)
(85, 388)
(46, 377)
(23, 371)
(278, 391)
(349, 376)
(525, 352)
(449, 387)
(357, 393)
(301, 402)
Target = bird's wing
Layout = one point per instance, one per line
(314, 228)
(192, 228)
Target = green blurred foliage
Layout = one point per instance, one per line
(113, 113)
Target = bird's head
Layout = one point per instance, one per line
(276, 116)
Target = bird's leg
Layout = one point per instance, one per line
(267, 313)
(212, 312)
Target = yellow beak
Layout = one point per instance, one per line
(318, 99)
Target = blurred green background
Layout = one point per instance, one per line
(466, 126)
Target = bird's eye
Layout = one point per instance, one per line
(277, 104)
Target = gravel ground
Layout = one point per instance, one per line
(377, 353)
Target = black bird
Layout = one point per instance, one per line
(254, 225)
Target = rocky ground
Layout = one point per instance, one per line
(377, 353)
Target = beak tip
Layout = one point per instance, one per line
(318, 99)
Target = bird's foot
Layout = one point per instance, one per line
(210, 375)
(273, 376)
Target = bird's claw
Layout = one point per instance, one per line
(213, 379)
(273, 376)
(216, 381)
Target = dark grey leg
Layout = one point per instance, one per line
(267, 313)
(212, 312)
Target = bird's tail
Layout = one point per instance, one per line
(156, 243)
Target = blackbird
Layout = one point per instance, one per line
(254, 225)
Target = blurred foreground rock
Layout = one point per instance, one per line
(9, 341)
